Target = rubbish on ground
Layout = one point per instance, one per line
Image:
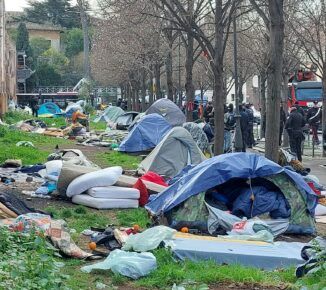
(315, 256)
(110, 114)
(32, 221)
(263, 235)
(176, 150)
(129, 181)
(146, 134)
(133, 265)
(12, 163)
(149, 239)
(92, 246)
(104, 177)
(104, 203)
(24, 144)
(120, 236)
(267, 256)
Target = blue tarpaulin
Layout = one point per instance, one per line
(218, 170)
(145, 135)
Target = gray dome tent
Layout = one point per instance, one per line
(177, 150)
(169, 110)
(198, 135)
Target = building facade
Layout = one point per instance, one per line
(7, 64)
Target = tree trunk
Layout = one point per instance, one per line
(151, 84)
(219, 93)
(285, 90)
(276, 12)
(241, 84)
(157, 77)
(324, 113)
(262, 84)
(143, 90)
(189, 86)
(129, 97)
(169, 65)
(84, 22)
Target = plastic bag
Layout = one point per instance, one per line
(133, 265)
(263, 235)
(248, 227)
(149, 239)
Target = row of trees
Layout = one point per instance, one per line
(141, 45)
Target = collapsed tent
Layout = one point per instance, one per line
(198, 135)
(146, 134)
(169, 110)
(110, 114)
(177, 150)
(125, 120)
(48, 110)
(224, 175)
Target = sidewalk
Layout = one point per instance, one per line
(314, 163)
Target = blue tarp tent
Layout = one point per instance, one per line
(218, 170)
(49, 109)
(146, 134)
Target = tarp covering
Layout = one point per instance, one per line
(198, 134)
(125, 120)
(169, 110)
(146, 134)
(220, 169)
(177, 150)
(110, 114)
(247, 253)
(49, 109)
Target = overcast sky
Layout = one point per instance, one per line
(18, 5)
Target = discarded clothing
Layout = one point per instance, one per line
(149, 239)
(133, 265)
(31, 169)
(32, 221)
(24, 144)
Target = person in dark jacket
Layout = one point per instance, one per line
(208, 113)
(34, 106)
(294, 126)
(300, 109)
(244, 123)
(314, 117)
(282, 123)
(250, 141)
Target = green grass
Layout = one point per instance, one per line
(100, 126)
(115, 158)
(28, 155)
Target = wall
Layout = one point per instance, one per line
(53, 36)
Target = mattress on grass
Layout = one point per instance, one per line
(114, 192)
(104, 203)
(262, 255)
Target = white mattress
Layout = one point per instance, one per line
(114, 192)
(104, 177)
(104, 203)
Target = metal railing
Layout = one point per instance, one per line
(54, 90)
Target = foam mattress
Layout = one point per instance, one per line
(104, 203)
(114, 192)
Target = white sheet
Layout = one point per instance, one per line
(114, 192)
(104, 203)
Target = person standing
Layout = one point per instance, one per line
(209, 113)
(229, 125)
(282, 123)
(34, 106)
(244, 123)
(300, 109)
(294, 126)
(250, 133)
(314, 117)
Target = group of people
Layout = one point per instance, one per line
(246, 124)
(296, 123)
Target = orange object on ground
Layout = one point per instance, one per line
(184, 230)
(92, 246)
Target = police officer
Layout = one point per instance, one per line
(314, 117)
(250, 133)
(294, 126)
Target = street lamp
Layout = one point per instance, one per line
(238, 144)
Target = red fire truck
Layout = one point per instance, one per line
(304, 89)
